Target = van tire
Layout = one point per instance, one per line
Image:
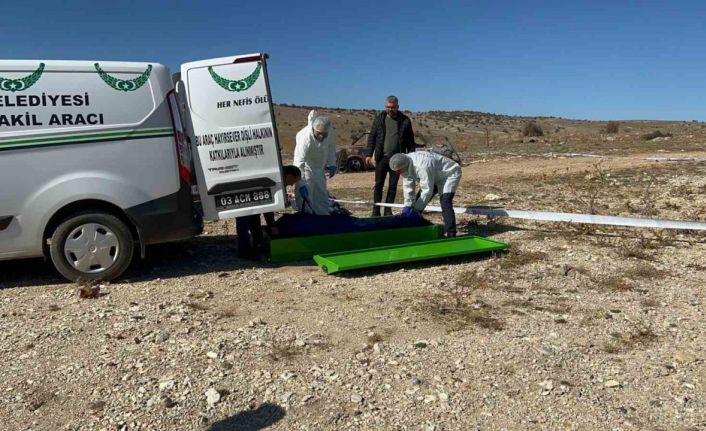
(117, 246)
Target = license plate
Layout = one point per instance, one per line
(250, 198)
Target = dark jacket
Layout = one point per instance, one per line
(376, 138)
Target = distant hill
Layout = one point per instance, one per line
(484, 133)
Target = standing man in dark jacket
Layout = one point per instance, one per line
(390, 134)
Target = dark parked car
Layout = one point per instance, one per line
(352, 157)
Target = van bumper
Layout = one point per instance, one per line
(169, 218)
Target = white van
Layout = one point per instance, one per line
(94, 160)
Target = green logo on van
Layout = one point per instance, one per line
(238, 84)
(124, 84)
(7, 84)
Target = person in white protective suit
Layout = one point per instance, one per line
(315, 151)
(434, 173)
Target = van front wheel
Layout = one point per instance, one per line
(91, 246)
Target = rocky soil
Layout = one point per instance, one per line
(575, 328)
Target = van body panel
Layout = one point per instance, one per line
(51, 155)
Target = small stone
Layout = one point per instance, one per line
(547, 385)
(287, 375)
(420, 344)
(612, 384)
(212, 396)
(212, 355)
(166, 384)
(430, 398)
(356, 398)
(300, 343)
(307, 398)
(443, 397)
(161, 337)
(491, 197)
(684, 357)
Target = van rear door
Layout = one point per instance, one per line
(235, 144)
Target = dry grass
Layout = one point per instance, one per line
(196, 306)
(375, 337)
(649, 303)
(516, 258)
(633, 249)
(589, 192)
(471, 280)
(529, 304)
(614, 282)
(284, 350)
(227, 311)
(458, 314)
(644, 270)
(640, 337)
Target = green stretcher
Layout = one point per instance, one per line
(303, 248)
(409, 252)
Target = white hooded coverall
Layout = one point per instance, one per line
(429, 169)
(312, 157)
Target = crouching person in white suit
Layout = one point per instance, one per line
(434, 173)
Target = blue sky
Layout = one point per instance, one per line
(589, 60)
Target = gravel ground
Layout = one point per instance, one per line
(574, 328)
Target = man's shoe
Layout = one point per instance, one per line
(388, 212)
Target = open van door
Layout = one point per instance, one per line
(235, 144)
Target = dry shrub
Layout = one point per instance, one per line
(532, 129)
(633, 249)
(516, 258)
(612, 127)
(641, 336)
(227, 311)
(649, 303)
(283, 350)
(531, 305)
(589, 192)
(456, 310)
(375, 338)
(470, 279)
(644, 270)
(196, 306)
(614, 282)
(656, 134)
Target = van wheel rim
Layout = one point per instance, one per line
(91, 248)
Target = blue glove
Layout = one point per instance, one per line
(408, 211)
(331, 171)
(304, 192)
